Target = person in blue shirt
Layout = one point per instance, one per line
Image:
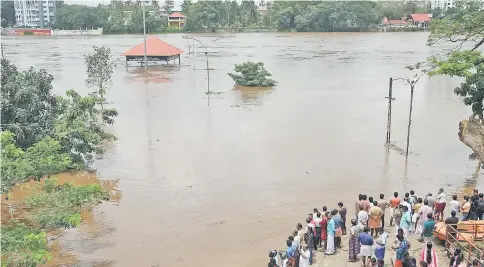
(290, 249)
(331, 232)
(366, 242)
(406, 221)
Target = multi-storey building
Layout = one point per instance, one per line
(443, 4)
(34, 13)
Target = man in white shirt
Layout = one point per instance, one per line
(454, 204)
(440, 206)
(304, 257)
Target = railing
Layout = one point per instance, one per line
(455, 238)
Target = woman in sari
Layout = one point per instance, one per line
(429, 256)
(354, 244)
(400, 250)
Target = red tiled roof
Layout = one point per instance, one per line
(397, 21)
(420, 17)
(177, 15)
(154, 47)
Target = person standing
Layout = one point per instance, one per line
(380, 245)
(452, 221)
(394, 202)
(406, 221)
(324, 231)
(440, 206)
(366, 203)
(400, 250)
(431, 200)
(366, 242)
(330, 241)
(466, 207)
(422, 216)
(398, 212)
(353, 242)
(383, 204)
(338, 222)
(479, 204)
(362, 218)
(304, 257)
(375, 214)
(428, 228)
(454, 204)
(342, 213)
(429, 256)
(317, 230)
(309, 239)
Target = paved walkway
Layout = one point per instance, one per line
(340, 259)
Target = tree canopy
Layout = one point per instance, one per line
(463, 31)
(126, 16)
(8, 13)
(252, 74)
(42, 135)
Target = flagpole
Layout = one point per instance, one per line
(144, 34)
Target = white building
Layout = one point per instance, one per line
(34, 13)
(443, 4)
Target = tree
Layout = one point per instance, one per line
(100, 67)
(29, 108)
(72, 17)
(252, 74)
(8, 13)
(464, 29)
(79, 130)
(43, 158)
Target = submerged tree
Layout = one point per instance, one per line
(252, 74)
(100, 67)
(465, 29)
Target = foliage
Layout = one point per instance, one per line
(28, 106)
(23, 246)
(252, 74)
(465, 29)
(8, 13)
(41, 159)
(60, 205)
(80, 131)
(100, 67)
(32, 113)
(71, 17)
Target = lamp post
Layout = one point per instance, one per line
(412, 87)
(144, 35)
(206, 56)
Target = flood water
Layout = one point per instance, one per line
(221, 185)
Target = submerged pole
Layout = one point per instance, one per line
(389, 122)
(144, 34)
(208, 79)
(412, 86)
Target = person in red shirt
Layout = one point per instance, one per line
(394, 202)
(324, 231)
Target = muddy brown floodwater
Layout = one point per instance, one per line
(221, 185)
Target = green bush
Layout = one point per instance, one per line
(252, 74)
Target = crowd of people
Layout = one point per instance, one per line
(367, 237)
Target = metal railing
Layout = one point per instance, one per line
(464, 239)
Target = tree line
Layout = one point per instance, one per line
(126, 16)
(43, 134)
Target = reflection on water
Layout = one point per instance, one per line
(315, 139)
(252, 96)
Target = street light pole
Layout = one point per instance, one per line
(206, 56)
(412, 87)
(144, 34)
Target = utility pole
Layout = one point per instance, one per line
(206, 57)
(412, 87)
(2, 51)
(389, 122)
(144, 34)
